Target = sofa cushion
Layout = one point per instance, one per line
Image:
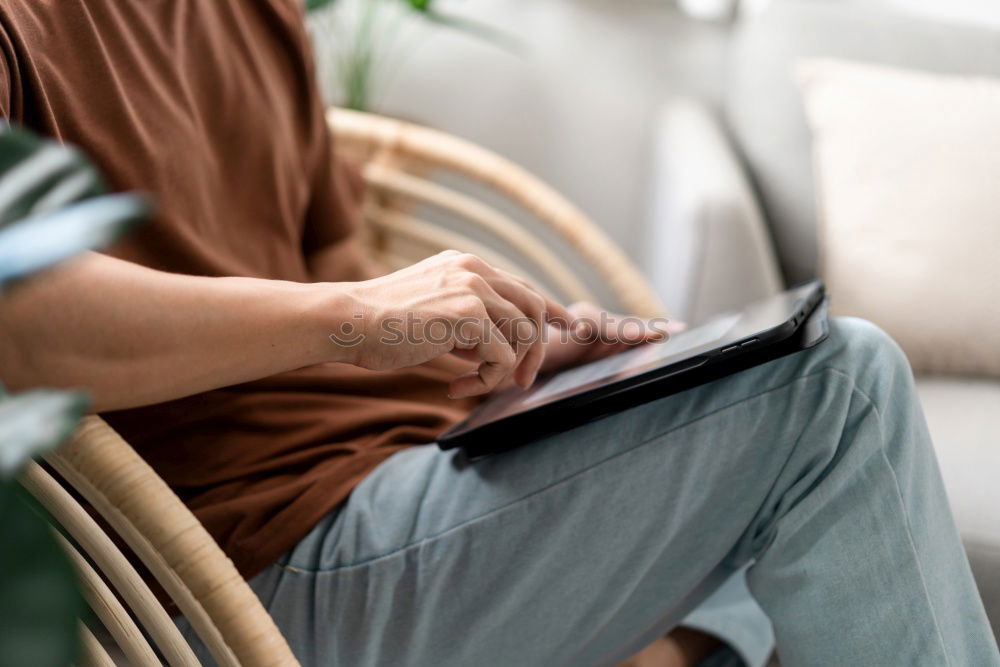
(764, 111)
(906, 168)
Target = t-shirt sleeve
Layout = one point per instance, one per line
(334, 212)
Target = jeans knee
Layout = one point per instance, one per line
(865, 346)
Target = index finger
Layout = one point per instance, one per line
(555, 313)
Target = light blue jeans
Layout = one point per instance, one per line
(815, 472)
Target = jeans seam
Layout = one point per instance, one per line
(497, 510)
(906, 520)
(899, 495)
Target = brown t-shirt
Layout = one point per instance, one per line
(211, 105)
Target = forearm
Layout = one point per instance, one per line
(135, 336)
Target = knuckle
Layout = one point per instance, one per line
(470, 281)
(538, 302)
(468, 261)
(470, 305)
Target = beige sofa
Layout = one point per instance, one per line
(733, 215)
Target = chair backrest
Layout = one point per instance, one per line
(101, 467)
(167, 538)
(430, 191)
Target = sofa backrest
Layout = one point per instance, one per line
(763, 108)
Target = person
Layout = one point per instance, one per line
(205, 339)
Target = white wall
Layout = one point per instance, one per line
(578, 106)
(976, 12)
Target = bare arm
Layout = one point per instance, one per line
(135, 336)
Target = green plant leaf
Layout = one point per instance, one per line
(313, 5)
(37, 243)
(481, 30)
(478, 29)
(38, 176)
(35, 422)
(40, 601)
(49, 210)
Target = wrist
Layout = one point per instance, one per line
(334, 317)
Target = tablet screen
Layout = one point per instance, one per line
(637, 358)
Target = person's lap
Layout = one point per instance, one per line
(582, 548)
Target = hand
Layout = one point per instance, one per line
(451, 302)
(598, 334)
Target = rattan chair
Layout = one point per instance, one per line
(407, 168)
(414, 210)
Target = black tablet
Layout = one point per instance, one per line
(725, 344)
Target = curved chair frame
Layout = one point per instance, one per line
(166, 536)
(102, 468)
(396, 154)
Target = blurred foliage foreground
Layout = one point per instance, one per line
(51, 209)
